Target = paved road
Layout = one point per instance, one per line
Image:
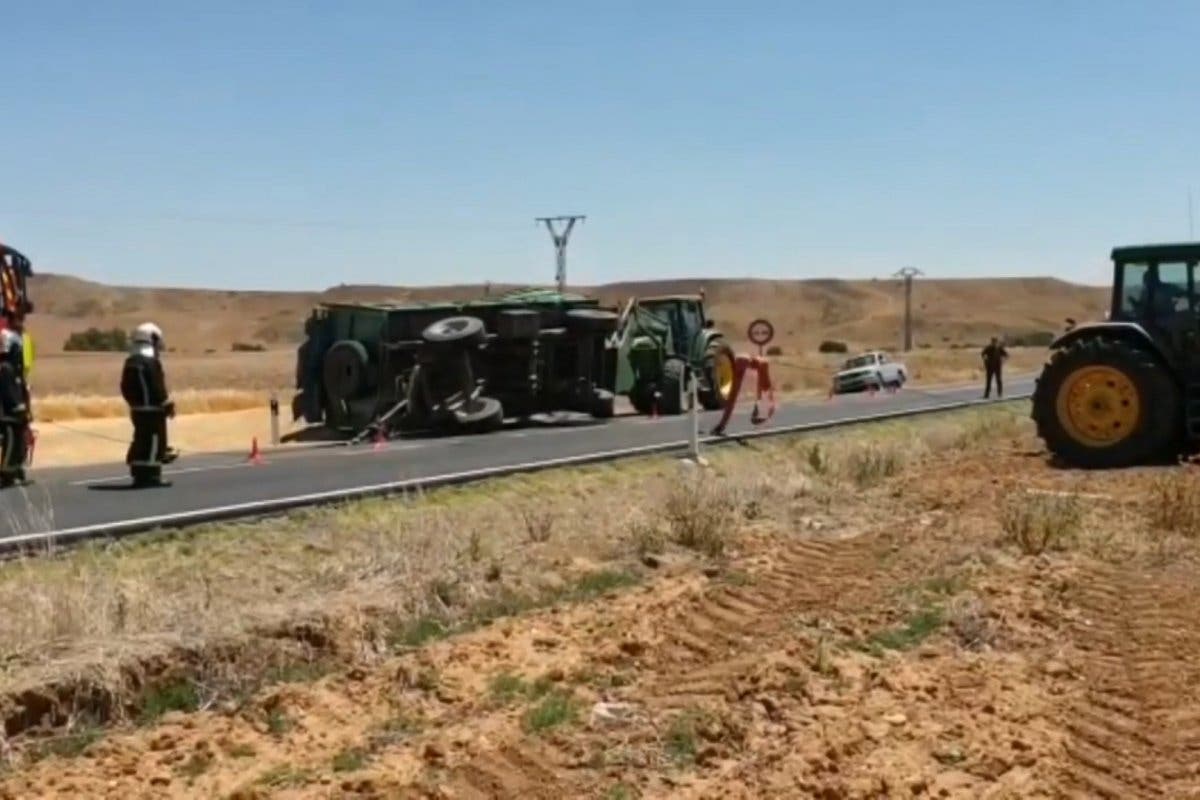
(75, 502)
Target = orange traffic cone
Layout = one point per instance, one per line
(255, 454)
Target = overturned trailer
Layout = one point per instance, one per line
(465, 366)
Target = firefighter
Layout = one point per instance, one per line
(144, 387)
(993, 363)
(14, 410)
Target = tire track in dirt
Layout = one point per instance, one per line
(1135, 729)
(716, 641)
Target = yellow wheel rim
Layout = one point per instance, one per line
(1098, 406)
(724, 370)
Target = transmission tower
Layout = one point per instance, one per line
(560, 245)
(908, 273)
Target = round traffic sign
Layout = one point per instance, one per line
(760, 332)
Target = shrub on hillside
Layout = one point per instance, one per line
(1031, 339)
(94, 340)
(247, 347)
(774, 350)
(831, 346)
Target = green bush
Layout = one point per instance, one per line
(94, 340)
(774, 350)
(831, 346)
(1031, 339)
(244, 347)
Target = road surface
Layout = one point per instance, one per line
(80, 502)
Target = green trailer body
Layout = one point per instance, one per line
(467, 364)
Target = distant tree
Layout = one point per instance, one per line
(247, 347)
(94, 340)
(832, 346)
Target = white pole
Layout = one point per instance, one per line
(274, 419)
(694, 414)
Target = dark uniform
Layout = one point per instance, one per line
(144, 387)
(14, 418)
(993, 364)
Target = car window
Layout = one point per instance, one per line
(859, 361)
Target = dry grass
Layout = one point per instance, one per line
(68, 408)
(424, 557)
(808, 372)
(99, 374)
(1174, 504)
(1040, 522)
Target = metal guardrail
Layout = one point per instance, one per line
(34, 542)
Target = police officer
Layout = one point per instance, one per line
(993, 364)
(14, 410)
(144, 387)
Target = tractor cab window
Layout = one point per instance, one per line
(1150, 291)
(692, 321)
(1133, 288)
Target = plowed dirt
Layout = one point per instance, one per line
(896, 641)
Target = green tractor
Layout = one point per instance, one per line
(664, 342)
(1126, 391)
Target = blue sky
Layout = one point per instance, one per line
(296, 145)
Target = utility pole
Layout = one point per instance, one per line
(560, 245)
(908, 273)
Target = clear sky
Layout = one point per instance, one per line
(296, 145)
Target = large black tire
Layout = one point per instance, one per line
(1153, 434)
(457, 331)
(518, 323)
(344, 370)
(711, 397)
(480, 415)
(603, 404)
(641, 399)
(674, 387)
(591, 320)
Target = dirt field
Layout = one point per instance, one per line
(926, 609)
(862, 313)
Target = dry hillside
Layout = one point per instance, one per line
(803, 311)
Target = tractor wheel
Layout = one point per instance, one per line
(718, 375)
(641, 399)
(591, 320)
(1103, 403)
(459, 331)
(676, 393)
(480, 415)
(344, 370)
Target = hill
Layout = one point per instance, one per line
(866, 313)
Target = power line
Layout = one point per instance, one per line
(560, 245)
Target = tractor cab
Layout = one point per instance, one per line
(684, 318)
(1154, 284)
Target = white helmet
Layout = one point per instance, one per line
(148, 336)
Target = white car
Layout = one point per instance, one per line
(873, 370)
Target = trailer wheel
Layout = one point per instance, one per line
(455, 331)
(518, 323)
(603, 404)
(591, 320)
(480, 415)
(345, 370)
